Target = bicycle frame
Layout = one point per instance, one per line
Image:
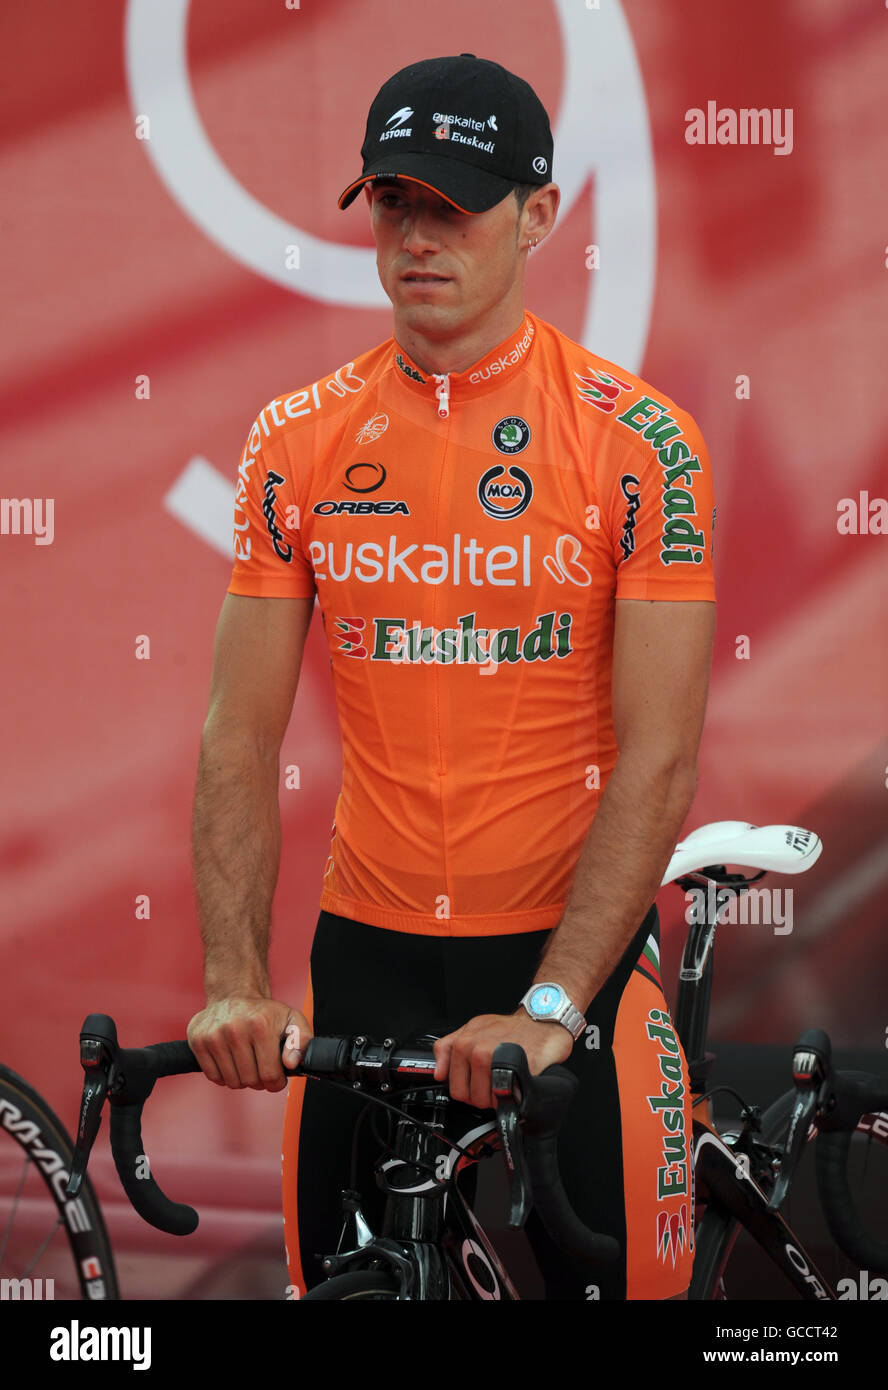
(431, 1238)
(725, 1174)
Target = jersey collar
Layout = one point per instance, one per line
(499, 365)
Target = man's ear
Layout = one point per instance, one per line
(368, 192)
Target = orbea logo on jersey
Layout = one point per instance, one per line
(373, 478)
(400, 642)
(505, 497)
(362, 477)
(347, 506)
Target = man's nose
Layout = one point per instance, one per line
(420, 230)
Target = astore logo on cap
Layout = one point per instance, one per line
(399, 128)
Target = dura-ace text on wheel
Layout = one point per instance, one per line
(51, 1245)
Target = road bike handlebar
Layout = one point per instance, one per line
(530, 1110)
(861, 1100)
(836, 1103)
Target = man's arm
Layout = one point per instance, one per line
(661, 665)
(662, 659)
(237, 837)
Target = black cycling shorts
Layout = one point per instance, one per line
(624, 1148)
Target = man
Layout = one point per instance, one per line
(510, 542)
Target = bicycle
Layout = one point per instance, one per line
(435, 1247)
(743, 1176)
(432, 1246)
(35, 1207)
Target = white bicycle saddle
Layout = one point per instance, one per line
(788, 849)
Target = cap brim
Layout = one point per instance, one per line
(468, 188)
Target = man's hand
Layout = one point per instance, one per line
(237, 1041)
(465, 1055)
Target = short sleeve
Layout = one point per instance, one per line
(269, 560)
(662, 512)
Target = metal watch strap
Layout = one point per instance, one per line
(574, 1022)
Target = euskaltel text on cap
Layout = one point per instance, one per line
(464, 126)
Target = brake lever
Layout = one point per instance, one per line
(98, 1057)
(506, 1088)
(810, 1067)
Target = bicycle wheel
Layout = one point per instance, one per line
(717, 1232)
(51, 1245)
(367, 1283)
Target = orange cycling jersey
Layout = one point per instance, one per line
(467, 535)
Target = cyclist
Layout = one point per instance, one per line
(510, 541)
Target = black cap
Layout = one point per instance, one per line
(464, 126)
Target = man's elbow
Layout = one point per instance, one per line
(669, 776)
(237, 739)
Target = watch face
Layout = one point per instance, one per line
(546, 999)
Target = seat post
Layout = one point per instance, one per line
(695, 983)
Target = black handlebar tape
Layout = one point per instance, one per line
(839, 1208)
(325, 1055)
(856, 1093)
(151, 1204)
(173, 1058)
(140, 1068)
(550, 1095)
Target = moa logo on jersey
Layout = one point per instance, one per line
(515, 491)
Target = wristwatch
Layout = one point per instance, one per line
(548, 1003)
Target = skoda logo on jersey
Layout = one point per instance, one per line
(511, 435)
(516, 488)
(350, 472)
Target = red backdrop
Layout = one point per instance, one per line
(153, 254)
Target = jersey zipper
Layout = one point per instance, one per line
(442, 391)
(439, 685)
